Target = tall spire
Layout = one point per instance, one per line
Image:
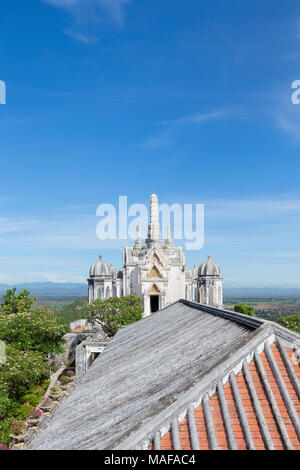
(154, 235)
(169, 241)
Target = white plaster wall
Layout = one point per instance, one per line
(176, 285)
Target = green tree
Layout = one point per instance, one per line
(36, 330)
(245, 309)
(113, 313)
(292, 322)
(15, 303)
(74, 311)
(30, 335)
(21, 370)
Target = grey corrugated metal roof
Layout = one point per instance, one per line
(147, 367)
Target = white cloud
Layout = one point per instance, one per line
(161, 141)
(164, 140)
(15, 225)
(92, 10)
(198, 118)
(81, 37)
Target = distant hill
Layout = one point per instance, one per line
(49, 289)
(66, 289)
(261, 292)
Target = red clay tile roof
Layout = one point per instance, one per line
(250, 411)
(78, 330)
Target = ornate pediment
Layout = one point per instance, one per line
(154, 273)
(154, 289)
(156, 259)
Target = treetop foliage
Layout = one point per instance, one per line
(245, 309)
(292, 322)
(113, 313)
(16, 303)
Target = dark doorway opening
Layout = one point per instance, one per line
(154, 303)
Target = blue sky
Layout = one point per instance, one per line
(189, 99)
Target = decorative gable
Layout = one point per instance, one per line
(154, 290)
(154, 273)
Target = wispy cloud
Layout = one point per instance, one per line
(92, 10)
(161, 141)
(14, 225)
(198, 118)
(164, 138)
(86, 12)
(80, 37)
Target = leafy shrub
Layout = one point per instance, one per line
(6, 403)
(292, 322)
(64, 379)
(30, 399)
(22, 370)
(22, 411)
(113, 313)
(245, 309)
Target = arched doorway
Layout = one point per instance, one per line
(154, 299)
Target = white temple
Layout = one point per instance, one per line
(155, 272)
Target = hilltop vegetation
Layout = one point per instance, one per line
(269, 308)
(30, 336)
(285, 311)
(113, 313)
(74, 311)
